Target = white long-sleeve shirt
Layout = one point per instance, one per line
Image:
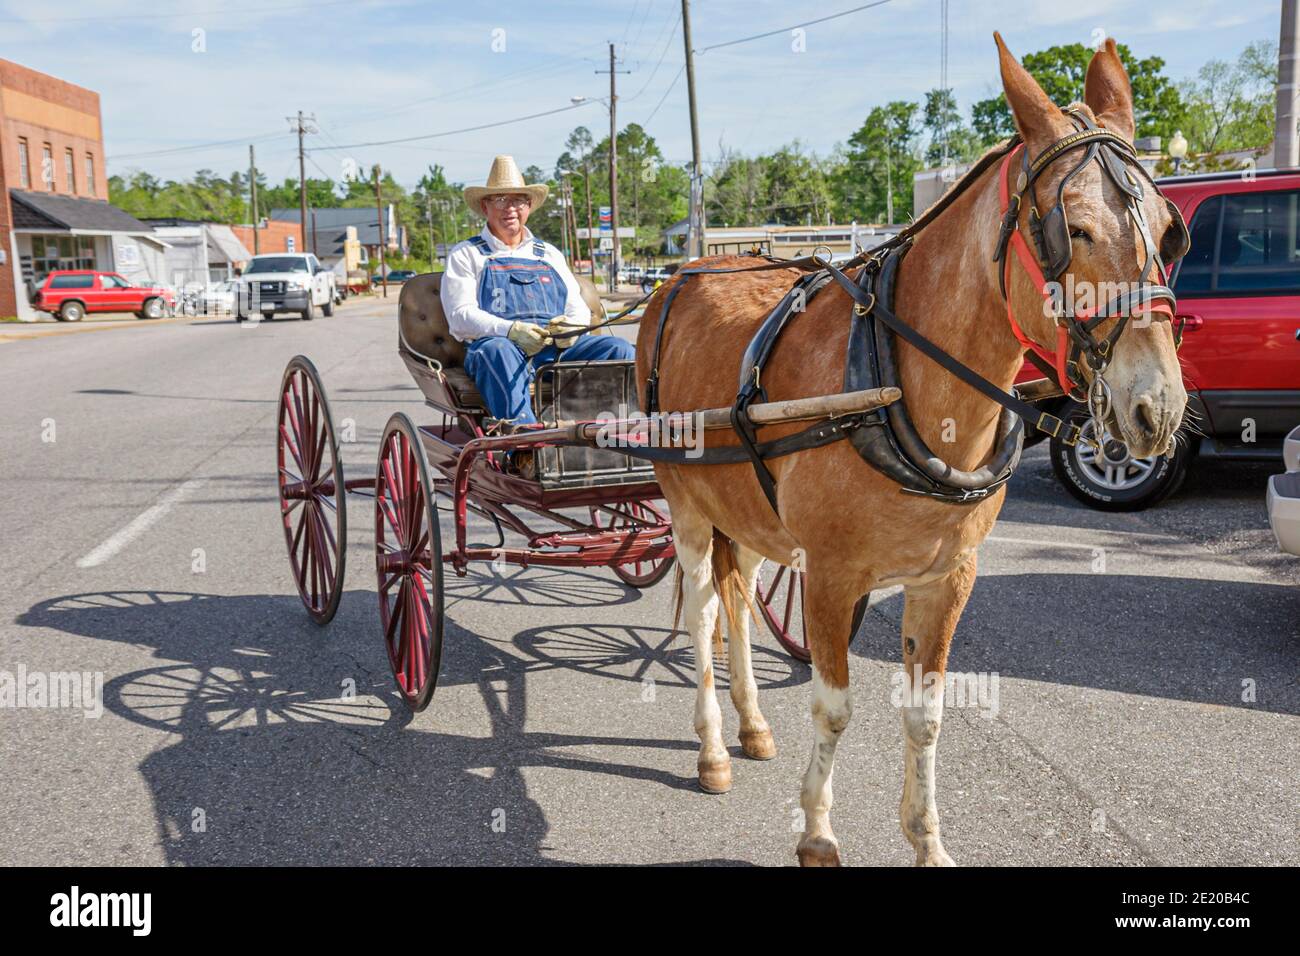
(459, 293)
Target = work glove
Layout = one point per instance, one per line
(529, 336)
(562, 332)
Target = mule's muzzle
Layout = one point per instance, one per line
(1149, 425)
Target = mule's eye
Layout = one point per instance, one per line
(1077, 233)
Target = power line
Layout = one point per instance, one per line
(794, 26)
(662, 54)
(671, 87)
(467, 129)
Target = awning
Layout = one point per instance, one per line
(223, 246)
(50, 212)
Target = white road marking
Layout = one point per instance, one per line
(142, 523)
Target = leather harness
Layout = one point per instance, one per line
(886, 437)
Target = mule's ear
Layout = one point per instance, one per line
(1037, 117)
(1107, 92)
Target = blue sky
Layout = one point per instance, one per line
(389, 69)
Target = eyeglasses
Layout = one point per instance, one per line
(504, 202)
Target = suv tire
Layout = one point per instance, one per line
(72, 311)
(309, 313)
(1110, 480)
(328, 308)
(151, 309)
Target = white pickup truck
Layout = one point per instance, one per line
(284, 282)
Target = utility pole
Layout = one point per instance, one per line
(573, 221)
(1286, 140)
(695, 216)
(304, 124)
(613, 167)
(252, 188)
(433, 250)
(383, 239)
(591, 234)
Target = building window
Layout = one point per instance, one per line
(90, 174)
(69, 167)
(47, 167)
(54, 253)
(24, 169)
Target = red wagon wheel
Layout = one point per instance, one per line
(638, 574)
(408, 562)
(313, 500)
(780, 601)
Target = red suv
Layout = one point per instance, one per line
(69, 295)
(1239, 291)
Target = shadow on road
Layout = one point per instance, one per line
(281, 767)
(1114, 633)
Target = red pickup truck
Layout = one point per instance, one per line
(1239, 291)
(69, 295)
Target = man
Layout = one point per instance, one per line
(513, 300)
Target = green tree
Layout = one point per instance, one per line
(874, 181)
(1061, 71)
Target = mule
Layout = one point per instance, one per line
(843, 522)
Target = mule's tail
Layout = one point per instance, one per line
(730, 586)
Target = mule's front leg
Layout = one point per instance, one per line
(827, 617)
(929, 619)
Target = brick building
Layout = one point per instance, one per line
(54, 210)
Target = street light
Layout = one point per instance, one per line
(1178, 149)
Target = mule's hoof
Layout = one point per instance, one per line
(818, 852)
(715, 776)
(758, 744)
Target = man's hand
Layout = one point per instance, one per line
(560, 331)
(529, 336)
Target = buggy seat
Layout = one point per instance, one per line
(423, 334)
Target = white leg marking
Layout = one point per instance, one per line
(744, 689)
(831, 710)
(919, 814)
(700, 608)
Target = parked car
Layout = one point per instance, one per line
(1239, 298)
(70, 294)
(395, 276)
(652, 277)
(280, 282)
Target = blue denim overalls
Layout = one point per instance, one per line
(528, 290)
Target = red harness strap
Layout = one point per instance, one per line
(1027, 259)
(1030, 263)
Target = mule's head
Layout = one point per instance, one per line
(1106, 250)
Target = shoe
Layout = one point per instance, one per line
(522, 463)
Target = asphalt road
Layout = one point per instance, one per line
(143, 542)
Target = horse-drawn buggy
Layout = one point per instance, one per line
(573, 489)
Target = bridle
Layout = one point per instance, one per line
(1075, 338)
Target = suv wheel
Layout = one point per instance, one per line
(309, 313)
(328, 308)
(1110, 479)
(72, 311)
(152, 309)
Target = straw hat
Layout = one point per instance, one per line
(505, 179)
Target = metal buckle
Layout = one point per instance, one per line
(865, 310)
(1043, 416)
